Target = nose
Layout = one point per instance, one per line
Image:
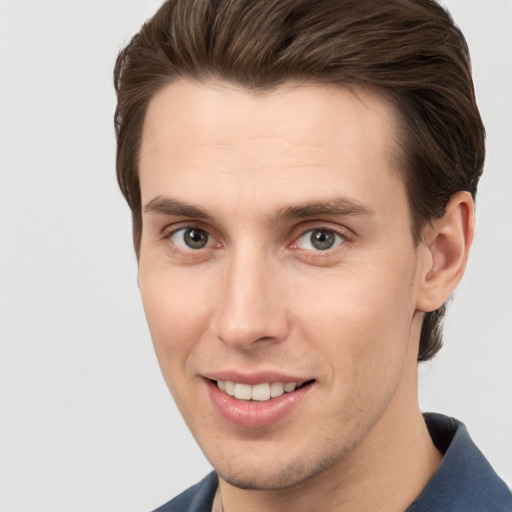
(251, 309)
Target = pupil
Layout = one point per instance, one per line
(322, 239)
(196, 238)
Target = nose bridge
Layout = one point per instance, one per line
(249, 307)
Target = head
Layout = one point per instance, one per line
(409, 52)
(300, 176)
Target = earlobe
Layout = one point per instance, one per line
(446, 247)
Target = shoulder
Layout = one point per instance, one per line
(198, 498)
(465, 481)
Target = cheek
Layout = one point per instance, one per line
(361, 320)
(370, 303)
(362, 338)
(176, 311)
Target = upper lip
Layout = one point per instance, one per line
(253, 378)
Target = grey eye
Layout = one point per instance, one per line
(191, 238)
(319, 240)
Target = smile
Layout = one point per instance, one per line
(259, 392)
(259, 404)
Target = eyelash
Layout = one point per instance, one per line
(168, 234)
(319, 253)
(339, 239)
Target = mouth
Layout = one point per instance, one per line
(262, 392)
(259, 401)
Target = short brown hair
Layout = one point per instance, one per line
(410, 50)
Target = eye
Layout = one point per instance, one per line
(319, 240)
(191, 238)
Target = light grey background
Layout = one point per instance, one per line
(86, 422)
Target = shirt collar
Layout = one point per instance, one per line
(465, 481)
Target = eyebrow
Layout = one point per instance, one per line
(338, 206)
(170, 206)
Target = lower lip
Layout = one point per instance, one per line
(254, 414)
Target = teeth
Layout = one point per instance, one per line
(289, 386)
(229, 388)
(243, 391)
(276, 389)
(259, 392)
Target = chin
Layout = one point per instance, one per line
(275, 475)
(269, 481)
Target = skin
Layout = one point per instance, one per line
(260, 297)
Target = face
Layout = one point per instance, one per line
(279, 275)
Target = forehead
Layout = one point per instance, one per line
(213, 138)
(193, 108)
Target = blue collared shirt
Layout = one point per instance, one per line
(464, 482)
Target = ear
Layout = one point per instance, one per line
(445, 249)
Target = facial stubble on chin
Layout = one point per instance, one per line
(296, 472)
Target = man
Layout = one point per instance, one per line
(301, 176)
